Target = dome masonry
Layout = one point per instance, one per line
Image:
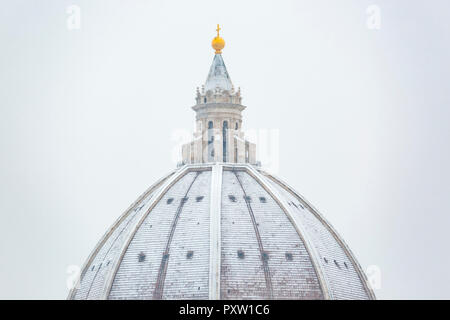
(219, 226)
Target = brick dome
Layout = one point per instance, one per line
(221, 231)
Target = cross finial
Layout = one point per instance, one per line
(218, 43)
(218, 29)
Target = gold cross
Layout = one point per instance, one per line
(218, 29)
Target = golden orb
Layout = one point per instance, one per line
(218, 43)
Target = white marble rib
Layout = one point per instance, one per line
(214, 255)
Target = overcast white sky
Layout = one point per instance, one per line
(87, 118)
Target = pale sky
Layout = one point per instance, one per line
(88, 117)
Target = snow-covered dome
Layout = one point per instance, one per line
(219, 227)
(221, 231)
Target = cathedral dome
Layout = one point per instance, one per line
(220, 227)
(221, 231)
